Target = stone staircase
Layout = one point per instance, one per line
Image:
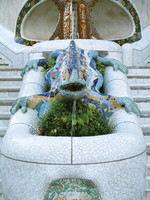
(10, 83)
(139, 81)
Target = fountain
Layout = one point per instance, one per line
(100, 166)
(32, 162)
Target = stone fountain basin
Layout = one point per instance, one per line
(114, 162)
(23, 143)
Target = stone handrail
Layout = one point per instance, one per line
(17, 54)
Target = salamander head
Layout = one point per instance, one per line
(72, 75)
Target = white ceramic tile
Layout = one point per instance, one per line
(117, 180)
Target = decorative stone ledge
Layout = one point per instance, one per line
(17, 54)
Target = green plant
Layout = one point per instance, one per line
(48, 65)
(99, 66)
(58, 120)
(101, 69)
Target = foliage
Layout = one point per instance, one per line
(48, 65)
(58, 120)
(99, 66)
(101, 69)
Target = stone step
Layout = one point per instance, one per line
(147, 142)
(148, 161)
(3, 61)
(10, 69)
(140, 92)
(140, 86)
(10, 74)
(5, 116)
(4, 109)
(147, 195)
(15, 83)
(9, 89)
(145, 113)
(138, 67)
(146, 129)
(6, 102)
(147, 169)
(147, 139)
(10, 78)
(143, 105)
(0, 186)
(7, 79)
(139, 81)
(139, 99)
(3, 58)
(3, 131)
(148, 183)
(139, 76)
(144, 120)
(9, 93)
(145, 117)
(2, 65)
(139, 71)
(4, 122)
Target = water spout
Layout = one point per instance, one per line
(73, 118)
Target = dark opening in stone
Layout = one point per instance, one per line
(73, 87)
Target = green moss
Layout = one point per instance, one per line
(58, 120)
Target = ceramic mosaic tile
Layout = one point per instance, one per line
(120, 180)
(74, 77)
(72, 189)
(81, 21)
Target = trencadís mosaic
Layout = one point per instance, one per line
(81, 26)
